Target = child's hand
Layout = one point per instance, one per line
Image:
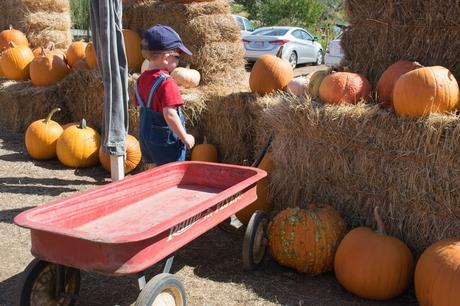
(189, 141)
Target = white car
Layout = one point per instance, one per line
(334, 53)
(246, 27)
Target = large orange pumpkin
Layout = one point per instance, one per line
(12, 35)
(426, 90)
(47, 69)
(78, 146)
(344, 87)
(262, 203)
(15, 62)
(437, 275)
(41, 137)
(306, 240)
(387, 81)
(75, 52)
(133, 49)
(132, 159)
(90, 54)
(270, 73)
(373, 265)
(204, 152)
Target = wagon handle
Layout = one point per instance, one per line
(261, 155)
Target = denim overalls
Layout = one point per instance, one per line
(159, 145)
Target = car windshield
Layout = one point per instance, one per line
(270, 32)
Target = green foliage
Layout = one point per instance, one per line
(80, 14)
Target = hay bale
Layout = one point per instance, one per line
(381, 34)
(357, 157)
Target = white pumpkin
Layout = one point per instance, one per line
(186, 77)
(299, 85)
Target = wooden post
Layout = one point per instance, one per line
(117, 167)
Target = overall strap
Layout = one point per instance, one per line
(154, 88)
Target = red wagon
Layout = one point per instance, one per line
(127, 226)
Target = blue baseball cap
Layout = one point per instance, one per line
(161, 38)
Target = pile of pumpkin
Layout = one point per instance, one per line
(408, 87)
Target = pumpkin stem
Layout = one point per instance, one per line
(48, 118)
(82, 124)
(10, 27)
(42, 51)
(378, 219)
(418, 65)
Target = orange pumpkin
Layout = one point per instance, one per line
(204, 152)
(386, 83)
(133, 49)
(426, 90)
(306, 240)
(15, 62)
(373, 265)
(75, 52)
(47, 69)
(12, 35)
(344, 87)
(132, 159)
(78, 146)
(41, 137)
(269, 74)
(437, 274)
(186, 77)
(262, 203)
(90, 54)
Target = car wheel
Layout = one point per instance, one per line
(319, 58)
(293, 59)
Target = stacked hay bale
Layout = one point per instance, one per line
(383, 33)
(42, 21)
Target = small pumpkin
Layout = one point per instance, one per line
(132, 158)
(41, 137)
(373, 265)
(387, 81)
(47, 69)
(316, 79)
(12, 35)
(426, 90)
(299, 86)
(90, 55)
(186, 77)
(78, 146)
(15, 62)
(306, 239)
(262, 202)
(204, 152)
(270, 73)
(344, 87)
(75, 52)
(437, 278)
(133, 49)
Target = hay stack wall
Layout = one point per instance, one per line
(380, 33)
(42, 21)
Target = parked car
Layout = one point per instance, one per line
(246, 26)
(299, 46)
(334, 52)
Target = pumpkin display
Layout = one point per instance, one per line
(15, 62)
(387, 81)
(132, 158)
(133, 49)
(204, 152)
(47, 69)
(316, 78)
(426, 90)
(186, 77)
(344, 87)
(90, 55)
(75, 52)
(306, 239)
(437, 274)
(298, 86)
(78, 146)
(12, 35)
(262, 202)
(373, 265)
(41, 137)
(270, 73)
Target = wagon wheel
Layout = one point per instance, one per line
(39, 285)
(255, 240)
(163, 290)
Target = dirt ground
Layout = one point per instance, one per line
(210, 267)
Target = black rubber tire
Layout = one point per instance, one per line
(164, 283)
(255, 236)
(38, 282)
